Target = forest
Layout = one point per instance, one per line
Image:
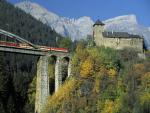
(104, 81)
(17, 71)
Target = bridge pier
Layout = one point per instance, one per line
(42, 85)
(58, 73)
(69, 68)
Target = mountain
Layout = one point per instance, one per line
(74, 28)
(24, 25)
(80, 28)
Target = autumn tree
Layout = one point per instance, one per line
(86, 68)
(66, 43)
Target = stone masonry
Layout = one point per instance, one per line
(116, 40)
(42, 85)
(58, 73)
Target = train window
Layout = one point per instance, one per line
(3, 38)
(10, 39)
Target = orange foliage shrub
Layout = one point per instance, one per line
(139, 68)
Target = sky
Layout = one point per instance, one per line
(98, 9)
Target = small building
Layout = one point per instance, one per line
(116, 40)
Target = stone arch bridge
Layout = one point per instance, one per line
(15, 44)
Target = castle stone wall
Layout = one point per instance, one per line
(121, 43)
(116, 43)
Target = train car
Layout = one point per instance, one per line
(26, 46)
(46, 48)
(14, 44)
(59, 49)
(11, 44)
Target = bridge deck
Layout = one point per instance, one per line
(36, 52)
(25, 47)
(23, 50)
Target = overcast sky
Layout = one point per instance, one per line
(102, 9)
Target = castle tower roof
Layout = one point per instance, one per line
(98, 22)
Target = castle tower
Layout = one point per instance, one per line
(98, 29)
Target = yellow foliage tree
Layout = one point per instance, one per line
(111, 106)
(86, 68)
(108, 107)
(145, 80)
(81, 51)
(145, 97)
(65, 91)
(112, 72)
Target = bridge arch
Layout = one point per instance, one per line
(51, 73)
(43, 88)
(67, 60)
(59, 70)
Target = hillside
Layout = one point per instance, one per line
(18, 22)
(18, 71)
(104, 81)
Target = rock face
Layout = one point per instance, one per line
(80, 28)
(74, 28)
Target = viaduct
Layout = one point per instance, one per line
(42, 85)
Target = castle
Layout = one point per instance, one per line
(116, 40)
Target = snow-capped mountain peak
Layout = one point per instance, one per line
(74, 28)
(37, 11)
(126, 19)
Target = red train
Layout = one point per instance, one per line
(20, 45)
(46, 48)
(12, 44)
